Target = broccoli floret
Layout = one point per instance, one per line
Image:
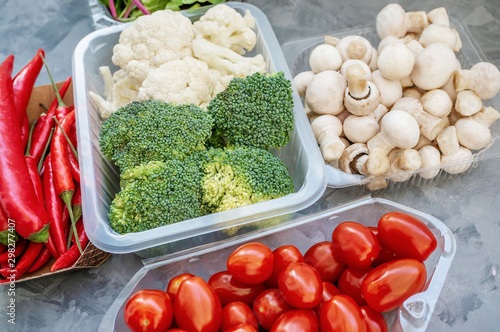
(239, 176)
(153, 130)
(254, 111)
(157, 194)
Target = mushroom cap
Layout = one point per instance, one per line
(433, 66)
(400, 128)
(439, 16)
(391, 21)
(431, 158)
(460, 161)
(488, 79)
(395, 61)
(325, 57)
(436, 33)
(302, 80)
(355, 47)
(325, 93)
(472, 134)
(468, 103)
(437, 102)
(363, 106)
(350, 153)
(359, 129)
(390, 90)
(389, 40)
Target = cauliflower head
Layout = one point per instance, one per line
(152, 40)
(226, 27)
(185, 81)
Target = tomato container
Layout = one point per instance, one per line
(297, 54)
(413, 315)
(100, 178)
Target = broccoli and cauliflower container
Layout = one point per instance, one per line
(191, 131)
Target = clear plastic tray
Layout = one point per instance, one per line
(100, 178)
(297, 54)
(413, 315)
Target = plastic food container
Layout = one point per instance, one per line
(297, 54)
(413, 315)
(100, 178)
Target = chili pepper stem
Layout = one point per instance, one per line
(43, 106)
(59, 99)
(41, 236)
(66, 196)
(45, 151)
(28, 145)
(67, 138)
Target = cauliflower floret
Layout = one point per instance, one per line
(186, 81)
(226, 27)
(152, 40)
(226, 61)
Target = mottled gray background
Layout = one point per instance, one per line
(469, 204)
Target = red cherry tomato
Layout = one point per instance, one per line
(173, 284)
(329, 290)
(407, 236)
(303, 320)
(355, 244)
(283, 256)
(341, 314)
(243, 328)
(149, 310)
(197, 307)
(252, 263)
(268, 306)
(385, 255)
(301, 285)
(388, 285)
(229, 289)
(176, 330)
(350, 284)
(237, 313)
(374, 320)
(321, 257)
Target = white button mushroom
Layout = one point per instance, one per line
(331, 40)
(439, 16)
(325, 93)
(483, 78)
(473, 132)
(413, 92)
(390, 90)
(327, 129)
(361, 97)
(389, 40)
(430, 126)
(433, 66)
(455, 158)
(437, 33)
(325, 57)
(348, 160)
(406, 82)
(355, 47)
(302, 80)
(395, 61)
(359, 129)
(437, 102)
(392, 20)
(348, 63)
(403, 161)
(431, 160)
(468, 103)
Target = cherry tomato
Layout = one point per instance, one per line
(329, 290)
(243, 328)
(385, 255)
(149, 310)
(283, 256)
(173, 284)
(350, 284)
(176, 330)
(303, 320)
(268, 306)
(301, 285)
(252, 263)
(321, 257)
(341, 314)
(355, 244)
(406, 236)
(229, 289)
(237, 313)
(197, 307)
(388, 285)
(374, 320)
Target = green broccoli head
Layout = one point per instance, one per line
(239, 176)
(254, 111)
(153, 130)
(157, 194)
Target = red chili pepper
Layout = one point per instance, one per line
(27, 259)
(43, 258)
(21, 245)
(71, 256)
(75, 167)
(54, 206)
(23, 84)
(2, 248)
(17, 196)
(61, 112)
(72, 136)
(42, 130)
(52, 247)
(4, 228)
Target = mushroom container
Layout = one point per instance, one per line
(298, 53)
(100, 177)
(413, 315)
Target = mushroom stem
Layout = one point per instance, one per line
(416, 21)
(403, 160)
(356, 82)
(458, 157)
(483, 78)
(439, 16)
(486, 116)
(327, 129)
